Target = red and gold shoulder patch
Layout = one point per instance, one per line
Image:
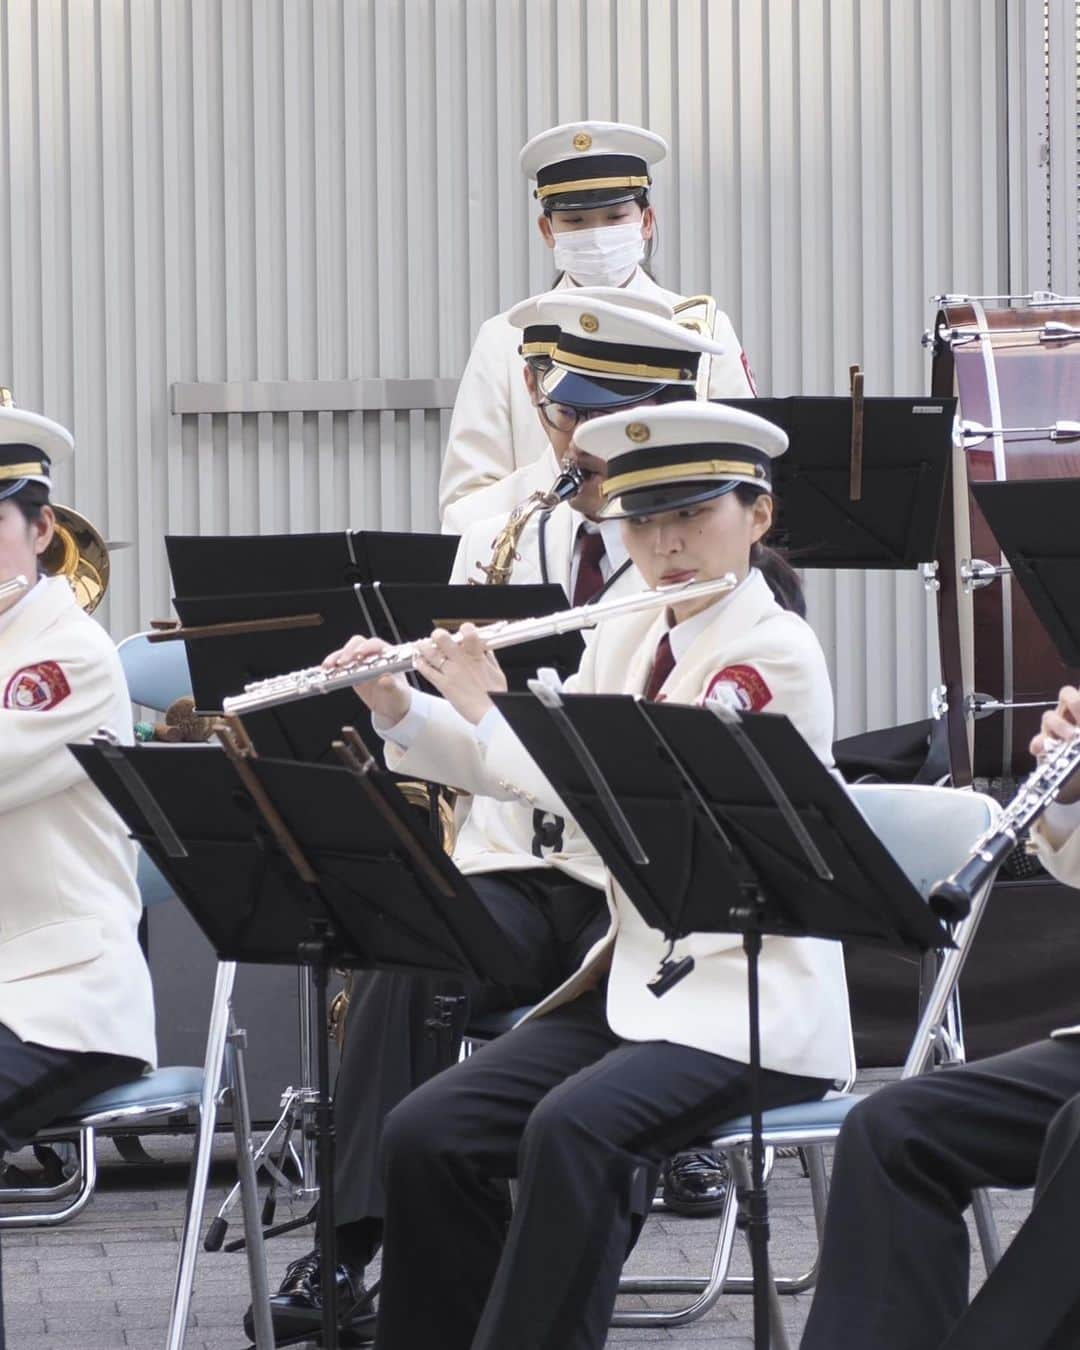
(743, 685)
(37, 688)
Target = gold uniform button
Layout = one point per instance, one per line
(637, 432)
(590, 323)
(582, 141)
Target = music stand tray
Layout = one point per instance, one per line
(284, 862)
(886, 514)
(712, 821)
(1034, 520)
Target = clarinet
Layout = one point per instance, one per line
(952, 898)
(504, 633)
(13, 587)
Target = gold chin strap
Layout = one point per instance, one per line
(590, 185)
(630, 369)
(704, 468)
(9, 472)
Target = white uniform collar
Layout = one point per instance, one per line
(682, 635)
(35, 593)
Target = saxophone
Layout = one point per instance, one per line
(504, 547)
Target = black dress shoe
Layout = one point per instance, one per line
(696, 1184)
(296, 1308)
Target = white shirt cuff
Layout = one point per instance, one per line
(485, 728)
(405, 731)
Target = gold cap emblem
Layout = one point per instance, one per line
(590, 323)
(582, 141)
(637, 432)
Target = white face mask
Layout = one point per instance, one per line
(604, 256)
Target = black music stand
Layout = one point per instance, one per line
(714, 821)
(280, 862)
(269, 563)
(882, 510)
(1034, 521)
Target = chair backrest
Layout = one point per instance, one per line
(928, 830)
(157, 672)
(157, 675)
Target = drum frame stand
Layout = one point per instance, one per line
(278, 1148)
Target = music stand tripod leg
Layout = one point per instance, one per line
(316, 954)
(255, 1250)
(757, 1200)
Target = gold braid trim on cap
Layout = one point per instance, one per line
(703, 468)
(592, 185)
(536, 348)
(573, 361)
(12, 471)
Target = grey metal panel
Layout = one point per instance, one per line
(261, 192)
(282, 396)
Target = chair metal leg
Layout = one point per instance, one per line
(204, 1145)
(87, 1179)
(986, 1227)
(708, 1290)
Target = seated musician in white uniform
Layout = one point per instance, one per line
(604, 1080)
(592, 183)
(76, 1006)
(895, 1262)
(529, 870)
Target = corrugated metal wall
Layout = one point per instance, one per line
(217, 190)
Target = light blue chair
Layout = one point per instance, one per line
(157, 672)
(929, 831)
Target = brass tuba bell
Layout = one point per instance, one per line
(79, 553)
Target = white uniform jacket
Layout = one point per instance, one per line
(496, 450)
(1057, 839)
(771, 660)
(545, 553)
(72, 974)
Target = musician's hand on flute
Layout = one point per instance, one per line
(464, 672)
(1061, 724)
(388, 697)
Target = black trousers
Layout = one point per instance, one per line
(894, 1273)
(550, 919)
(577, 1115)
(38, 1084)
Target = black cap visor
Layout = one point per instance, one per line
(580, 391)
(594, 198)
(654, 501)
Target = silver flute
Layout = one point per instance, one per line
(952, 898)
(504, 633)
(13, 586)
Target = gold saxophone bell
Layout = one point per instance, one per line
(79, 553)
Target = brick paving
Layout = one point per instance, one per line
(103, 1282)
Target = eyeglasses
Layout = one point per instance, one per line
(561, 418)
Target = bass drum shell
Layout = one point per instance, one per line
(992, 643)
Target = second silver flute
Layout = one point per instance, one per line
(504, 633)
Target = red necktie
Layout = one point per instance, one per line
(590, 579)
(662, 666)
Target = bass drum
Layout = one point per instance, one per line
(1009, 368)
